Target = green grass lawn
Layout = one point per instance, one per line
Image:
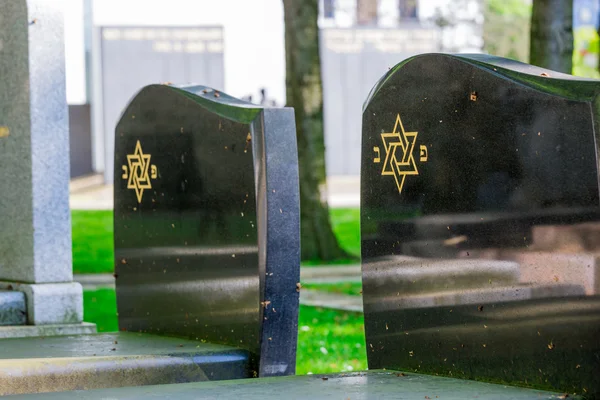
(346, 226)
(100, 307)
(328, 340)
(93, 239)
(92, 242)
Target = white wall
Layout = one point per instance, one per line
(254, 40)
(465, 36)
(344, 16)
(75, 52)
(254, 35)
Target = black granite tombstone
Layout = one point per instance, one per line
(207, 223)
(466, 158)
(163, 286)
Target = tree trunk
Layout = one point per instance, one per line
(551, 43)
(304, 94)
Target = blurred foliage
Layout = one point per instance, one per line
(506, 28)
(346, 226)
(510, 8)
(585, 54)
(345, 223)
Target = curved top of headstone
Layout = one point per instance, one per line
(207, 222)
(467, 163)
(213, 100)
(541, 79)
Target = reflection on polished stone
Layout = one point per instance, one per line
(422, 283)
(480, 223)
(196, 202)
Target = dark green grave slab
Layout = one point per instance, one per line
(463, 156)
(372, 385)
(60, 363)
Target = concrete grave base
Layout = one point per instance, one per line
(369, 385)
(50, 303)
(23, 331)
(109, 360)
(13, 310)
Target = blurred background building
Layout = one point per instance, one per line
(114, 47)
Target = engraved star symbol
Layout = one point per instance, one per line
(136, 173)
(399, 148)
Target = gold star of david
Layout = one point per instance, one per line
(399, 147)
(137, 171)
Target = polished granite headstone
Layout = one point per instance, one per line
(469, 164)
(207, 222)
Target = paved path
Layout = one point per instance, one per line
(330, 274)
(317, 298)
(95, 281)
(336, 301)
(90, 193)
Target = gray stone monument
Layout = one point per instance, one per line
(35, 223)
